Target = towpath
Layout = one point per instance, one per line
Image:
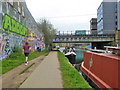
(46, 75)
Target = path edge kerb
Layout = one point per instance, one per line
(60, 69)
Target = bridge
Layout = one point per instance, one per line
(95, 39)
(83, 38)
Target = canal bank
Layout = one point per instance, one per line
(71, 77)
(77, 66)
(78, 58)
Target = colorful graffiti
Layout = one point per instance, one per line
(8, 38)
(0, 20)
(40, 42)
(4, 46)
(31, 35)
(0, 35)
(12, 26)
(31, 39)
(35, 41)
(14, 33)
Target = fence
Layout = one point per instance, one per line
(84, 32)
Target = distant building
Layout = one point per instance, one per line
(118, 18)
(118, 15)
(93, 25)
(107, 18)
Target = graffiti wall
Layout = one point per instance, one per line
(1, 36)
(13, 33)
(35, 40)
(16, 27)
(10, 25)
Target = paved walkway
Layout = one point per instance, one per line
(46, 75)
(13, 78)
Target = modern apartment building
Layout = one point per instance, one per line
(93, 25)
(107, 21)
(118, 14)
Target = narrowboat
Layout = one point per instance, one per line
(71, 55)
(102, 70)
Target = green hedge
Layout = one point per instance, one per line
(71, 77)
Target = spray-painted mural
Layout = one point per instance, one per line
(16, 27)
(1, 44)
(31, 39)
(36, 41)
(13, 33)
(12, 26)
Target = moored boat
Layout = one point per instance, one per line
(71, 55)
(102, 70)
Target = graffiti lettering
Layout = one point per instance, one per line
(12, 26)
(2, 46)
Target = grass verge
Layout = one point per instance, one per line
(16, 59)
(26, 68)
(71, 77)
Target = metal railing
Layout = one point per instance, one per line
(87, 32)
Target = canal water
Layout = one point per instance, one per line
(79, 56)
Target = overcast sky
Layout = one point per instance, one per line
(65, 15)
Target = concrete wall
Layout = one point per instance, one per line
(17, 26)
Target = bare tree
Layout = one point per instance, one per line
(48, 31)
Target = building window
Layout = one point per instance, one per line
(94, 23)
(115, 23)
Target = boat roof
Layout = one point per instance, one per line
(109, 55)
(97, 50)
(115, 48)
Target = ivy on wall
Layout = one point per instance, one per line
(10, 25)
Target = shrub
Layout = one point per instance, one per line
(16, 49)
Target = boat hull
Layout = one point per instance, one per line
(102, 69)
(72, 58)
